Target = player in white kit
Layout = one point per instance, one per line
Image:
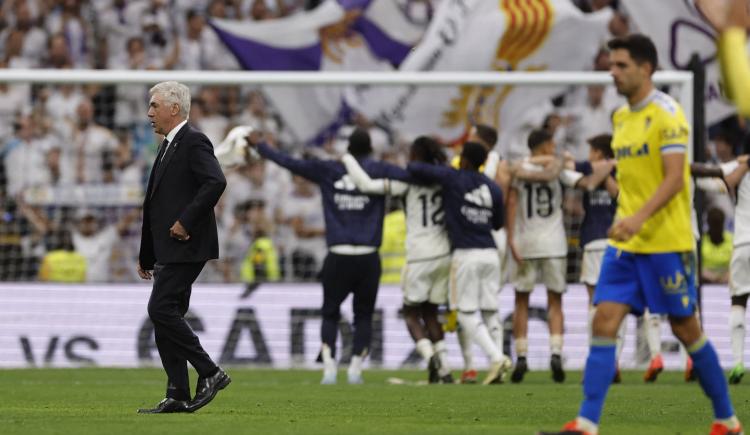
(536, 238)
(736, 176)
(425, 276)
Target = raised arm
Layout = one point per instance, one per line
(734, 178)
(491, 164)
(381, 186)
(430, 173)
(309, 169)
(600, 171)
(735, 67)
(551, 167)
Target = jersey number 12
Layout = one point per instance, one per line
(436, 217)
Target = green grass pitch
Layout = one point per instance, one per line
(104, 401)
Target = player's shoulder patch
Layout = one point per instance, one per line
(665, 102)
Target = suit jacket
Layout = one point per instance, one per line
(184, 186)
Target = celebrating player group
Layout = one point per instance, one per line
(479, 219)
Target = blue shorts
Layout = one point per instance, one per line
(663, 283)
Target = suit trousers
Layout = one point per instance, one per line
(175, 340)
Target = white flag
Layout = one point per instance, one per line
(481, 35)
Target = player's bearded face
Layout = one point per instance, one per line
(627, 74)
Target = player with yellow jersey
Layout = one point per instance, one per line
(648, 263)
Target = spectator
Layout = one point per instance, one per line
(60, 105)
(66, 20)
(62, 263)
(116, 25)
(393, 248)
(95, 242)
(592, 118)
(716, 249)
(33, 39)
(58, 53)
(302, 212)
(158, 33)
(261, 263)
(92, 146)
(129, 98)
(192, 45)
(212, 122)
(24, 159)
(255, 114)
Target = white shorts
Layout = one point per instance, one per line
(547, 271)
(591, 263)
(501, 240)
(475, 279)
(739, 271)
(426, 281)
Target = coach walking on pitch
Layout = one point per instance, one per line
(179, 236)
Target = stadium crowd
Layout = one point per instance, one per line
(56, 139)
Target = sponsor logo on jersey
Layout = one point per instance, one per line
(628, 151)
(480, 196)
(345, 183)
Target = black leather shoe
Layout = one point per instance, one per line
(167, 406)
(207, 389)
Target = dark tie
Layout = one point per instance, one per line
(162, 151)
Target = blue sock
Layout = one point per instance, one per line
(598, 374)
(711, 377)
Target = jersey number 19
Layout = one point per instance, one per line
(539, 200)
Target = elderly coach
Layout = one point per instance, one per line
(179, 236)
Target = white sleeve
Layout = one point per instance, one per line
(712, 184)
(490, 165)
(570, 178)
(366, 184)
(729, 167)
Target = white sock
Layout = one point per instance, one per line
(492, 320)
(737, 333)
(555, 344)
(442, 352)
(592, 311)
(464, 339)
(620, 341)
(587, 425)
(479, 333)
(653, 334)
(424, 347)
(522, 346)
(329, 364)
(732, 422)
(355, 366)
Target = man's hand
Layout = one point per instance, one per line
(144, 274)
(254, 138)
(743, 159)
(624, 229)
(179, 232)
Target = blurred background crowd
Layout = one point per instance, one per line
(59, 144)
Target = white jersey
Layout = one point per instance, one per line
(539, 229)
(742, 210)
(426, 237)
